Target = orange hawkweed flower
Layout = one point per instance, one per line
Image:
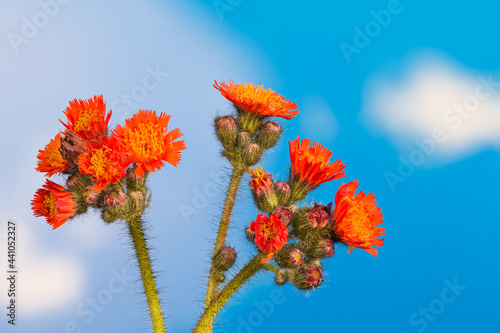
(310, 165)
(270, 234)
(50, 159)
(257, 100)
(54, 203)
(147, 143)
(260, 181)
(104, 162)
(87, 118)
(356, 219)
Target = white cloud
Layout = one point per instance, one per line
(433, 93)
(46, 281)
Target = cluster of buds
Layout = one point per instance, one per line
(311, 230)
(245, 141)
(104, 169)
(248, 134)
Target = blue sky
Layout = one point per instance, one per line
(412, 110)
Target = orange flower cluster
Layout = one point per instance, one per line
(254, 99)
(311, 230)
(87, 148)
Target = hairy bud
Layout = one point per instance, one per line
(268, 135)
(225, 258)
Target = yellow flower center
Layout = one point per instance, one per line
(99, 161)
(48, 204)
(297, 256)
(268, 231)
(147, 142)
(54, 158)
(85, 119)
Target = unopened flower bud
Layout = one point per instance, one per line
(225, 258)
(268, 135)
(114, 198)
(249, 122)
(319, 216)
(110, 215)
(89, 195)
(323, 248)
(244, 139)
(72, 146)
(293, 208)
(283, 213)
(250, 234)
(327, 246)
(289, 257)
(72, 181)
(280, 277)
(225, 128)
(283, 192)
(136, 201)
(308, 278)
(251, 154)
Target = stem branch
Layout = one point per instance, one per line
(223, 226)
(205, 323)
(137, 233)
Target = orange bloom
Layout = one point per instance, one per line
(50, 159)
(356, 219)
(311, 165)
(54, 203)
(263, 102)
(103, 161)
(87, 118)
(147, 143)
(260, 181)
(270, 234)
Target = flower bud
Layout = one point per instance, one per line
(72, 181)
(225, 129)
(244, 139)
(283, 213)
(114, 198)
(320, 215)
(250, 234)
(323, 248)
(283, 192)
(280, 277)
(110, 215)
(90, 196)
(293, 208)
(268, 135)
(289, 257)
(72, 146)
(308, 278)
(251, 154)
(225, 258)
(136, 201)
(327, 247)
(249, 122)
